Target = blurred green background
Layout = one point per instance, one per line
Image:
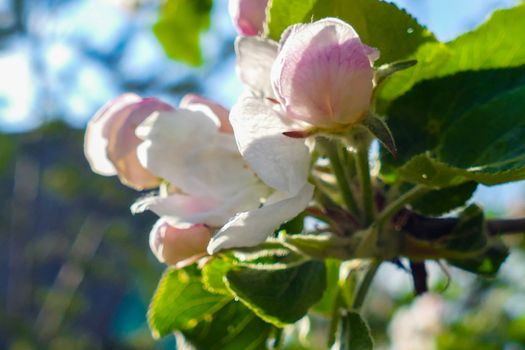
(76, 271)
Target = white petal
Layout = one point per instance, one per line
(255, 57)
(280, 161)
(250, 228)
(186, 148)
(214, 212)
(97, 130)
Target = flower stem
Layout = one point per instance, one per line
(357, 303)
(363, 288)
(363, 169)
(399, 203)
(331, 152)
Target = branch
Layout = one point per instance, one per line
(428, 228)
(419, 276)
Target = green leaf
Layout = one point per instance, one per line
(180, 302)
(232, 327)
(359, 336)
(272, 254)
(428, 171)
(283, 13)
(486, 264)
(377, 126)
(492, 45)
(214, 274)
(483, 115)
(321, 246)
(420, 118)
(388, 69)
(179, 27)
(279, 296)
(325, 306)
(379, 24)
(470, 236)
(294, 225)
(439, 202)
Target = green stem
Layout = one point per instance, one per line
(345, 329)
(359, 299)
(399, 203)
(334, 321)
(363, 169)
(362, 291)
(331, 152)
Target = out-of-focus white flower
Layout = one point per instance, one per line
(210, 182)
(248, 16)
(110, 142)
(416, 327)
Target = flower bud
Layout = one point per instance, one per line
(324, 74)
(211, 108)
(178, 246)
(110, 143)
(248, 16)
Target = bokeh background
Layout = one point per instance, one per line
(75, 267)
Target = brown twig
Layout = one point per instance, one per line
(429, 228)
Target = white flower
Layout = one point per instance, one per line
(210, 182)
(415, 327)
(110, 143)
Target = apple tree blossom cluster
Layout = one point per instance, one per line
(224, 178)
(277, 197)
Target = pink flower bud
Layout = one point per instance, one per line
(248, 16)
(178, 246)
(192, 101)
(110, 143)
(323, 73)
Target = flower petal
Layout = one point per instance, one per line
(198, 103)
(173, 245)
(248, 15)
(111, 143)
(255, 57)
(215, 212)
(100, 129)
(281, 162)
(323, 74)
(251, 228)
(186, 148)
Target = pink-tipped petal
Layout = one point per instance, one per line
(110, 142)
(179, 246)
(323, 74)
(248, 16)
(196, 102)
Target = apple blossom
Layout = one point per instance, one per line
(178, 246)
(110, 142)
(213, 109)
(210, 183)
(324, 74)
(248, 15)
(417, 326)
(319, 76)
